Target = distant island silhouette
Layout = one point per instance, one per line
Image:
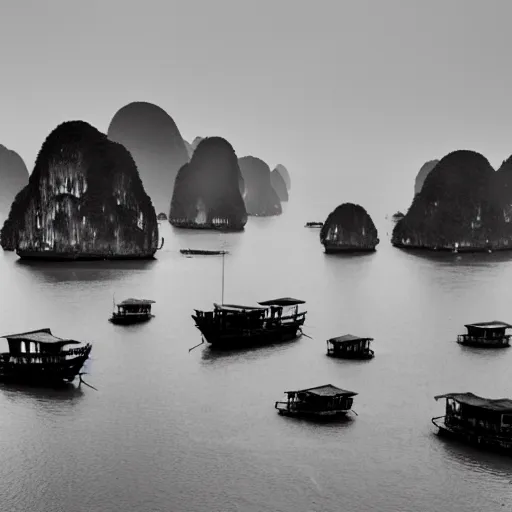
(464, 205)
(279, 185)
(207, 189)
(84, 200)
(13, 177)
(156, 145)
(260, 197)
(425, 170)
(349, 228)
(283, 171)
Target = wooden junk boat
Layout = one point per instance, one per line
(132, 311)
(313, 224)
(236, 326)
(486, 335)
(39, 357)
(322, 401)
(349, 346)
(475, 420)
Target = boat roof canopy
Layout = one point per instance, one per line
(495, 324)
(348, 338)
(284, 301)
(327, 390)
(136, 302)
(237, 307)
(43, 336)
(499, 404)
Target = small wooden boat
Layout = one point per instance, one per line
(203, 252)
(321, 401)
(313, 224)
(486, 335)
(349, 346)
(238, 326)
(38, 357)
(132, 311)
(484, 422)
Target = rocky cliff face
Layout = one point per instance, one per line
(425, 170)
(84, 200)
(349, 228)
(278, 184)
(260, 198)
(207, 189)
(457, 208)
(156, 145)
(13, 177)
(283, 171)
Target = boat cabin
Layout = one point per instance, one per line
(132, 311)
(349, 346)
(326, 400)
(486, 334)
(285, 309)
(134, 306)
(471, 413)
(40, 346)
(266, 314)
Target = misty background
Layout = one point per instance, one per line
(352, 97)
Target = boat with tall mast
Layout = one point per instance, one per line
(238, 326)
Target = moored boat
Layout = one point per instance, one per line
(39, 357)
(320, 401)
(486, 335)
(203, 252)
(132, 311)
(349, 346)
(313, 224)
(484, 422)
(238, 326)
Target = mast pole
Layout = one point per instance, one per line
(222, 279)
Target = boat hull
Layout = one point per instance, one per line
(130, 320)
(249, 338)
(71, 256)
(496, 444)
(361, 356)
(283, 410)
(476, 343)
(43, 373)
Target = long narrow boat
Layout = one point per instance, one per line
(237, 326)
(202, 252)
(39, 357)
(483, 422)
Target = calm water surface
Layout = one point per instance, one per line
(170, 430)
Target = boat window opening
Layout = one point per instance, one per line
(506, 420)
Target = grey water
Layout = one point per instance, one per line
(173, 430)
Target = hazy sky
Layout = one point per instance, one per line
(352, 96)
